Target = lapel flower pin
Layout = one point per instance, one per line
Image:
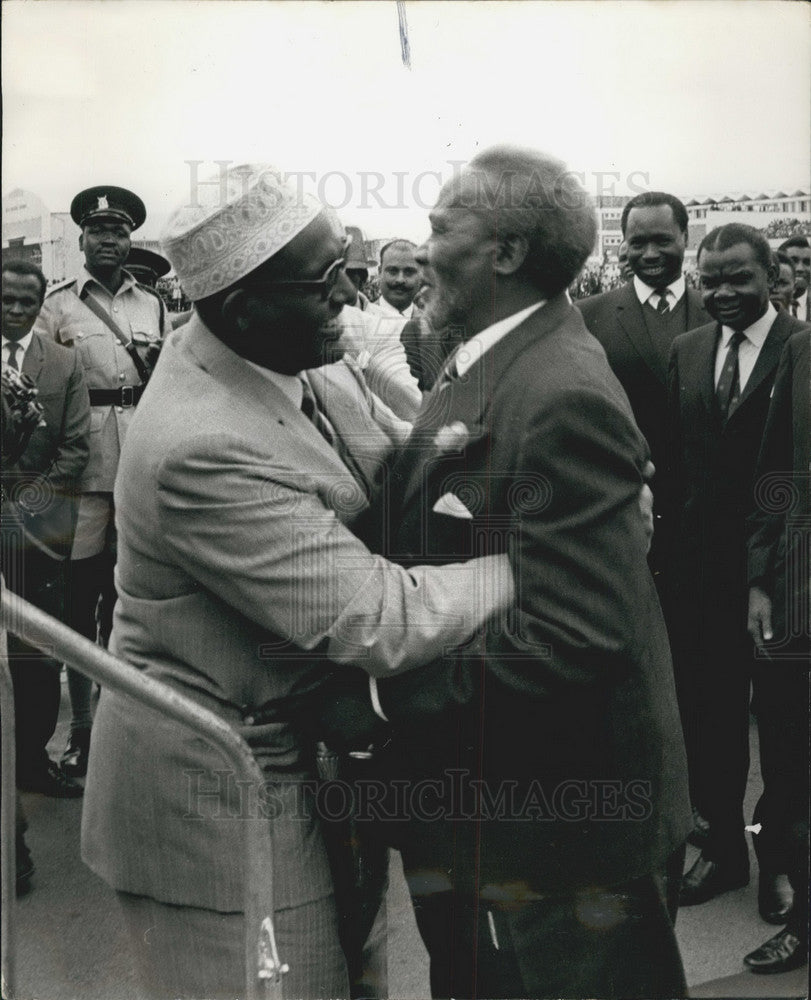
(452, 437)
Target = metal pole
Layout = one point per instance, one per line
(8, 831)
(263, 970)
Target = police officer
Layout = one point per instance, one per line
(116, 325)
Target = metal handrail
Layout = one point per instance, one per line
(263, 970)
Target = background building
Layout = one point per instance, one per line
(48, 239)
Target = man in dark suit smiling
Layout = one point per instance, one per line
(637, 323)
(721, 379)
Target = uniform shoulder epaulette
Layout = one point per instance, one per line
(60, 286)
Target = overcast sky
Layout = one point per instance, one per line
(693, 96)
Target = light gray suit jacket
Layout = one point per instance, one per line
(237, 576)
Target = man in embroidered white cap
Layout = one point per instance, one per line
(241, 583)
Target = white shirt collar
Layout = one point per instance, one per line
(468, 354)
(756, 333)
(23, 342)
(388, 309)
(644, 292)
(289, 385)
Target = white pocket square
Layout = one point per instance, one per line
(451, 505)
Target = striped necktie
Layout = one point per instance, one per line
(728, 390)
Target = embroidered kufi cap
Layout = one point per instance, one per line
(236, 222)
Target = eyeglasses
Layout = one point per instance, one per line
(326, 283)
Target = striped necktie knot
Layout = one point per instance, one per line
(728, 390)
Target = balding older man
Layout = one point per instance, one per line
(550, 753)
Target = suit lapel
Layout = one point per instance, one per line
(768, 358)
(34, 359)
(705, 367)
(632, 320)
(256, 390)
(467, 399)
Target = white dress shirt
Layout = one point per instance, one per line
(467, 354)
(754, 337)
(23, 343)
(389, 310)
(674, 292)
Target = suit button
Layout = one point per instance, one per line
(248, 720)
(120, 409)
(115, 309)
(121, 376)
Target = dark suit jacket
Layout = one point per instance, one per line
(44, 480)
(714, 468)
(576, 695)
(783, 490)
(616, 319)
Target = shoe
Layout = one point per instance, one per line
(774, 898)
(74, 760)
(700, 832)
(706, 880)
(781, 953)
(51, 781)
(25, 868)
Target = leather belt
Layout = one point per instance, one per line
(125, 395)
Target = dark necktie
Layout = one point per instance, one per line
(12, 354)
(662, 305)
(728, 390)
(310, 409)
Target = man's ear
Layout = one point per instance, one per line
(772, 274)
(81, 241)
(235, 312)
(510, 254)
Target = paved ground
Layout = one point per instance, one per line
(71, 944)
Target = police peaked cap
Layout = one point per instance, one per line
(107, 202)
(155, 262)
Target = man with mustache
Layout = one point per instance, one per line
(399, 279)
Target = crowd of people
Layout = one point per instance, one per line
(505, 569)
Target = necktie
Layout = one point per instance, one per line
(12, 354)
(662, 305)
(728, 390)
(309, 407)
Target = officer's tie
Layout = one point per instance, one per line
(662, 305)
(728, 390)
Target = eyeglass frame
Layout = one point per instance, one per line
(326, 282)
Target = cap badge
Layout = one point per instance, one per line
(102, 202)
